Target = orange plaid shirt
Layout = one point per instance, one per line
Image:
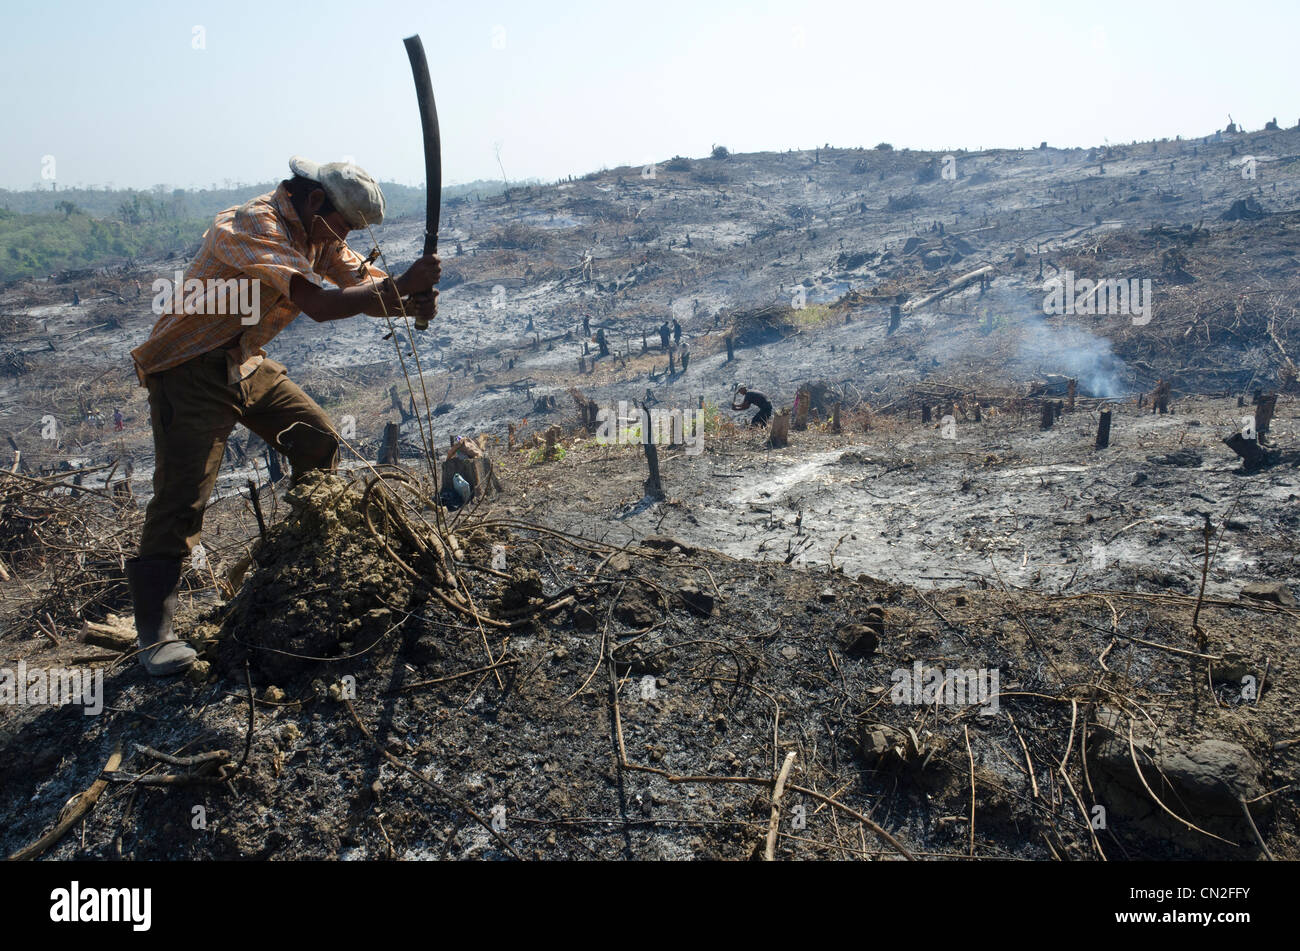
(261, 240)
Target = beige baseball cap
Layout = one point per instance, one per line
(350, 188)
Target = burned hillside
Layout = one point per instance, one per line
(1000, 580)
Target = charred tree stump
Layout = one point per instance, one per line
(477, 471)
(588, 410)
(552, 437)
(1264, 416)
(895, 318)
(1253, 456)
(835, 419)
(388, 450)
(925, 412)
(1160, 398)
(1070, 389)
(1103, 429)
(802, 399)
(1047, 417)
(654, 488)
(779, 437)
(731, 348)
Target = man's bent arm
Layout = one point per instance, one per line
(334, 303)
(414, 305)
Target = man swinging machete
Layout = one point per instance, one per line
(205, 372)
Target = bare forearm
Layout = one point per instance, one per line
(376, 309)
(334, 303)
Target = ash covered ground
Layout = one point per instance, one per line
(632, 679)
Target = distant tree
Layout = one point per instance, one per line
(720, 152)
(884, 147)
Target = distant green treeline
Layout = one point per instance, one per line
(44, 232)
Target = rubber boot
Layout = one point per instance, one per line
(154, 584)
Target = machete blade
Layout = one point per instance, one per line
(432, 149)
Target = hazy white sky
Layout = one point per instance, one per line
(127, 94)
